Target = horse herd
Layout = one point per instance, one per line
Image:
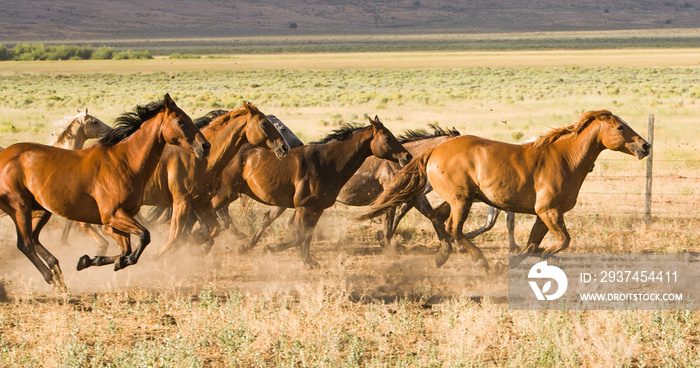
(157, 155)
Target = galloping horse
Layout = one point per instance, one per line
(542, 178)
(188, 185)
(102, 184)
(229, 174)
(311, 177)
(73, 132)
(375, 175)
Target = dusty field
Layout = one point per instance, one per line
(362, 308)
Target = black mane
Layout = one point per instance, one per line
(344, 132)
(412, 135)
(129, 122)
(203, 121)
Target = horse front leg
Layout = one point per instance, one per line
(555, 223)
(308, 219)
(539, 230)
(268, 218)
(209, 225)
(181, 213)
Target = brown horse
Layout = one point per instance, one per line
(375, 175)
(188, 185)
(542, 178)
(311, 177)
(102, 184)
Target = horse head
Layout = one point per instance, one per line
(178, 129)
(261, 132)
(385, 145)
(92, 127)
(616, 135)
(291, 138)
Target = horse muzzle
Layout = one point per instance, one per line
(281, 150)
(405, 159)
(642, 150)
(202, 150)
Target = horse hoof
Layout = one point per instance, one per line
(83, 262)
(499, 269)
(120, 263)
(441, 258)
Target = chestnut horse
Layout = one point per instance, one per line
(375, 175)
(542, 178)
(102, 184)
(311, 177)
(188, 185)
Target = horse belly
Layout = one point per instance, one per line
(81, 208)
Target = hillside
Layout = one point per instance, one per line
(42, 20)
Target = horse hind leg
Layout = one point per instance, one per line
(22, 218)
(455, 223)
(39, 220)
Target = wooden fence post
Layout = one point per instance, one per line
(650, 139)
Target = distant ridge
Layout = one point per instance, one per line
(40, 20)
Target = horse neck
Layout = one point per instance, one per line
(141, 151)
(580, 152)
(345, 157)
(72, 138)
(225, 142)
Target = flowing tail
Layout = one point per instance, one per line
(407, 183)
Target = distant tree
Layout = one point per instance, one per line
(606, 11)
(293, 25)
(416, 4)
(4, 53)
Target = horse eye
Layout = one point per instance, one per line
(621, 128)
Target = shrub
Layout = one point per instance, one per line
(103, 53)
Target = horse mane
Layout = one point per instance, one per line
(570, 131)
(129, 122)
(344, 132)
(412, 135)
(61, 128)
(205, 120)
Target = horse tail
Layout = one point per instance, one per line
(406, 184)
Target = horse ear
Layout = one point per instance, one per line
(86, 110)
(168, 101)
(376, 123)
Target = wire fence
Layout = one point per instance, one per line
(674, 194)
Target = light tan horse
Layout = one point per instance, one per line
(542, 178)
(73, 132)
(102, 184)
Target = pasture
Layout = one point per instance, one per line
(363, 308)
